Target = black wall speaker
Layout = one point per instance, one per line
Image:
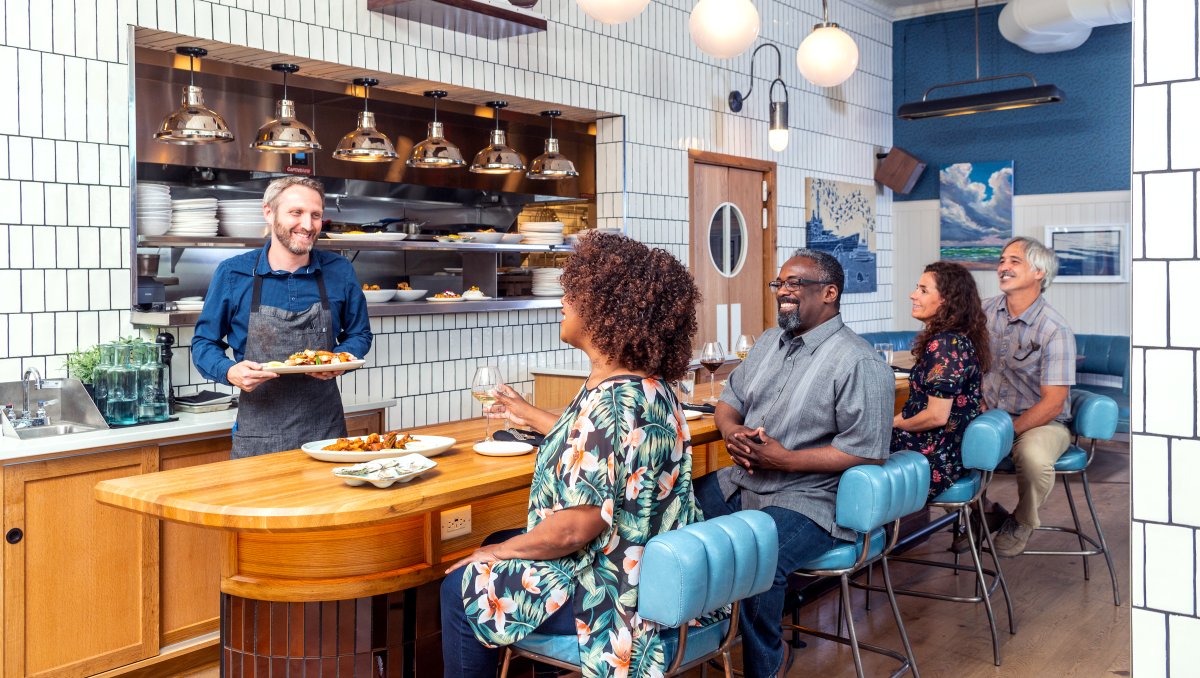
(899, 170)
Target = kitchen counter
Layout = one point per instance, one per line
(12, 449)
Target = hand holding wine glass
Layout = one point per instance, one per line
(742, 348)
(712, 356)
(483, 386)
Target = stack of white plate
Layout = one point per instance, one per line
(615, 230)
(153, 209)
(545, 282)
(542, 233)
(190, 304)
(241, 218)
(196, 217)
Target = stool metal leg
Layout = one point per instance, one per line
(987, 536)
(858, 666)
(870, 572)
(891, 594)
(987, 599)
(1087, 493)
(1087, 574)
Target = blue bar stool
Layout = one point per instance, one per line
(869, 498)
(1095, 417)
(686, 573)
(986, 442)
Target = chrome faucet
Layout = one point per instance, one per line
(26, 419)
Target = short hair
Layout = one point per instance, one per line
(1040, 257)
(636, 304)
(831, 270)
(278, 186)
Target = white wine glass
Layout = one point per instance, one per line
(483, 387)
(712, 356)
(742, 348)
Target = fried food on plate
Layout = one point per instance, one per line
(392, 440)
(311, 357)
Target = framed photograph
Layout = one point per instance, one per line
(976, 212)
(1090, 254)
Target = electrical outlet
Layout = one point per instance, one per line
(456, 522)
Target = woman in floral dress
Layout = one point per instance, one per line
(614, 470)
(952, 353)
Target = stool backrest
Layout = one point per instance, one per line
(705, 566)
(872, 495)
(987, 440)
(1094, 415)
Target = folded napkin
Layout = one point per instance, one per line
(699, 407)
(204, 398)
(520, 435)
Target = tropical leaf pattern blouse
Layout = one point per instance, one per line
(949, 368)
(624, 447)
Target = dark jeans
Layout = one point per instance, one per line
(800, 540)
(462, 653)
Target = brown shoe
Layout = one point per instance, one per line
(1012, 538)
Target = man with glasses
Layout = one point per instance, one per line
(1033, 369)
(810, 400)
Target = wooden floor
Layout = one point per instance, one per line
(1066, 627)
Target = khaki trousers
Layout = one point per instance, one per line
(1034, 454)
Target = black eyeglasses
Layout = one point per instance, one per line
(793, 284)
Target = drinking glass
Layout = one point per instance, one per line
(885, 351)
(742, 348)
(486, 379)
(686, 386)
(712, 356)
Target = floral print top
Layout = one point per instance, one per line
(950, 369)
(623, 446)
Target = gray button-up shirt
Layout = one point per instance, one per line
(825, 387)
(1034, 349)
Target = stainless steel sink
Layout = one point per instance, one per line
(53, 430)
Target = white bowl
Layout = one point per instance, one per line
(153, 226)
(512, 238)
(489, 237)
(376, 296)
(410, 295)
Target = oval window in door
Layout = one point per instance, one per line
(727, 239)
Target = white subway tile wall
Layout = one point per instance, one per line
(1165, 446)
(64, 166)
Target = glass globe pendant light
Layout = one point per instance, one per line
(435, 152)
(285, 134)
(551, 164)
(613, 11)
(724, 28)
(193, 123)
(497, 157)
(365, 144)
(828, 56)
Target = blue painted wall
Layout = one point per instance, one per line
(1080, 144)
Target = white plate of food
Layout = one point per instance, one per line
(453, 238)
(444, 297)
(385, 472)
(502, 448)
(368, 236)
(378, 296)
(490, 237)
(279, 368)
(410, 295)
(310, 360)
(429, 446)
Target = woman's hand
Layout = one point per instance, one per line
(483, 554)
(511, 406)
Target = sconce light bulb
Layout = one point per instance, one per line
(777, 134)
(777, 139)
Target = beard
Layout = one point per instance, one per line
(284, 236)
(789, 322)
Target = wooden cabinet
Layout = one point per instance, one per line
(365, 423)
(81, 588)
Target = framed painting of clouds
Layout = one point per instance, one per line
(976, 212)
(1090, 254)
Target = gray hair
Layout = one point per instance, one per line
(278, 186)
(1040, 258)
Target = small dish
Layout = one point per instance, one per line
(410, 295)
(692, 414)
(385, 472)
(489, 237)
(441, 300)
(512, 238)
(453, 238)
(502, 448)
(377, 296)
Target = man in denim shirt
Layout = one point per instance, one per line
(811, 400)
(1033, 369)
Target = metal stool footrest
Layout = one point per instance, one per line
(905, 664)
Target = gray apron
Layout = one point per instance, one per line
(292, 409)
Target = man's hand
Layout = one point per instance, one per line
(736, 439)
(247, 375)
(765, 454)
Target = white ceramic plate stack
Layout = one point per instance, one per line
(615, 230)
(153, 209)
(241, 218)
(542, 233)
(196, 217)
(190, 304)
(545, 282)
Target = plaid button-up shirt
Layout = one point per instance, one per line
(1034, 349)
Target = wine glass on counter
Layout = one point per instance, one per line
(483, 387)
(742, 348)
(712, 356)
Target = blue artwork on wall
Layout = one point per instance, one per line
(840, 220)
(976, 212)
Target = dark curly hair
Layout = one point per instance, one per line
(961, 312)
(636, 304)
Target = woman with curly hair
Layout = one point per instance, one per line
(615, 469)
(952, 353)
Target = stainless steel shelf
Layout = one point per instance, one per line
(350, 244)
(391, 308)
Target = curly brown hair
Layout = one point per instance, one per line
(637, 304)
(961, 312)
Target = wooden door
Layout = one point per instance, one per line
(732, 245)
(81, 581)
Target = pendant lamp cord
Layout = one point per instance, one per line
(825, 12)
(976, 39)
(366, 97)
(191, 70)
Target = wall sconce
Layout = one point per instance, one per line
(777, 135)
(828, 56)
